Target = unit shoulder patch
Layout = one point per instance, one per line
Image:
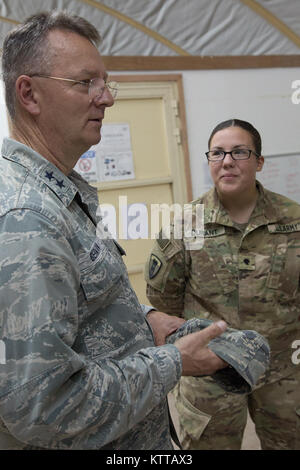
(154, 266)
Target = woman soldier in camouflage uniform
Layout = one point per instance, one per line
(246, 273)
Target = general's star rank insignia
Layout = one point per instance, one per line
(49, 175)
(154, 266)
(60, 183)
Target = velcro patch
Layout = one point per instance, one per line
(214, 232)
(286, 228)
(247, 262)
(95, 251)
(154, 266)
(163, 243)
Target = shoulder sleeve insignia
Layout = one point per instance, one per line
(154, 266)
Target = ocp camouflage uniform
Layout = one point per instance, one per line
(249, 277)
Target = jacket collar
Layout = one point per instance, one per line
(264, 211)
(58, 182)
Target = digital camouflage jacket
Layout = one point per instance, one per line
(78, 366)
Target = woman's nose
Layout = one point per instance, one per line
(228, 160)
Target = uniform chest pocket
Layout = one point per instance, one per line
(212, 269)
(283, 278)
(101, 272)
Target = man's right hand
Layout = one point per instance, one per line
(197, 358)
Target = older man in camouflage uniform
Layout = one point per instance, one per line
(251, 280)
(79, 368)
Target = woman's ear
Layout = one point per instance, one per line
(260, 163)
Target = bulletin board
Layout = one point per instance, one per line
(281, 174)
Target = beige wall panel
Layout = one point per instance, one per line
(139, 286)
(137, 250)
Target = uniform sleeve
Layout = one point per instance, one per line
(146, 309)
(50, 394)
(165, 274)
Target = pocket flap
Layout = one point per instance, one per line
(100, 273)
(191, 419)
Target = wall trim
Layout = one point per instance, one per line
(127, 63)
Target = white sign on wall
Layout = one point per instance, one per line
(111, 159)
(281, 174)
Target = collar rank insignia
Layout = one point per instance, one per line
(154, 266)
(60, 183)
(49, 175)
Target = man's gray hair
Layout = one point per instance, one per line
(25, 47)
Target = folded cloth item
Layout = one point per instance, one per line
(246, 351)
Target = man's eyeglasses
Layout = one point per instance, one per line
(236, 154)
(96, 86)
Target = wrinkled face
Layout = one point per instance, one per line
(68, 118)
(232, 177)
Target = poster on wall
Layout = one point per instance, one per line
(111, 159)
(87, 166)
(281, 174)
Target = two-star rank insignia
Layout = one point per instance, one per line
(154, 266)
(50, 176)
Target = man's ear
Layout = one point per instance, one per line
(26, 95)
(260, 163)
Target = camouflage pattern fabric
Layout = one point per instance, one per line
(78, 366)
(246, 352)
(249, 278)
(215, 419)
